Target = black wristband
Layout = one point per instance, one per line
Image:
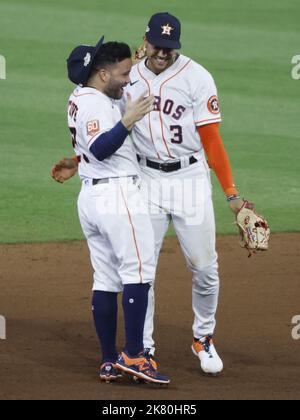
(232, 197)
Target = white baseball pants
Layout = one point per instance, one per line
(185, 197)
(119, 233)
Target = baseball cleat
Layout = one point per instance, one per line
(153, 362)
(142, 368)
(205, 350)
(151, 358)
(109, 372)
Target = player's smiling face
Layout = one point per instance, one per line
(159, 59)
(118, 78)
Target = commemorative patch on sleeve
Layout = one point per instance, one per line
(213, 105)
(92, 127)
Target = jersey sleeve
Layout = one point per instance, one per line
(121, 103)
(96, 120)
(205, 100)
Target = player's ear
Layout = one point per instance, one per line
(104, 75)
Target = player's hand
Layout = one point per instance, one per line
(236, 205)
(64, 170)
(136, 110)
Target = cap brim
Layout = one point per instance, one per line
(164, 43)
(97, 47)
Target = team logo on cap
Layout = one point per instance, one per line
(167, 29)
(87, 59)
(213, 105)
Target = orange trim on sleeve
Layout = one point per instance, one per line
(217, 156)
(203, 122)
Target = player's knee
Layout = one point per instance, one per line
(203, 262)
(206, 262)
(206, 281)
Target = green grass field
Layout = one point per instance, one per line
(247, 46)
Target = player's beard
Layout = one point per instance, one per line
(114, 89)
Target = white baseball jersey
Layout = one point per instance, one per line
(114, 209)
(185, 97)
(91, 113)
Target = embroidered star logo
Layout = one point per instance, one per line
(167, 29)
(87, 59)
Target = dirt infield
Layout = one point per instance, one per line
(51, 351)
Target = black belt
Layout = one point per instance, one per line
(100, 181)
(107, 180)
(166, 167)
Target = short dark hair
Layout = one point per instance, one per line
(108, 54)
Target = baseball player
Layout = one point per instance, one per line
(110, 204)
(171, 142)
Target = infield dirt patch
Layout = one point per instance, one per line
(51, 350)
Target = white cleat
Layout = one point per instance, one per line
(210, 361)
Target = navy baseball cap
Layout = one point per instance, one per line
(80, 62)
(164, 30)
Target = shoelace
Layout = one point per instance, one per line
(206, 344)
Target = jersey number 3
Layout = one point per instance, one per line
(177, 134)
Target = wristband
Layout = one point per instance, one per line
(232, 198)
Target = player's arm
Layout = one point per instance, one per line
(102, 147)
(107, 143)
(218, 160)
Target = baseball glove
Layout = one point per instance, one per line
(64, 169)
(139, 53)
(254, 229)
